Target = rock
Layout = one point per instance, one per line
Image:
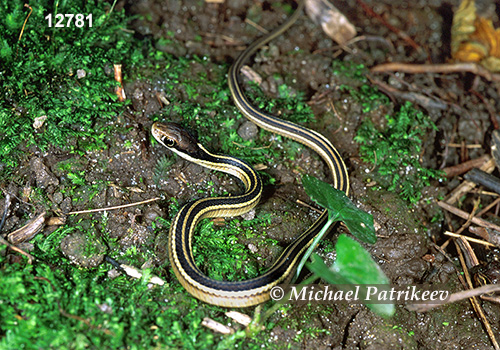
(76, 248)
(43, 176)
(248, 131)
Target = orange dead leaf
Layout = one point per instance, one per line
(474, 39)
(485, 34)
(470, 52)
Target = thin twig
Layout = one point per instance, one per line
(444, 68)
(19, 250)
(256, 26)
(458, 145)
(216, 326)
(465, 215)
(398, 31)
(465, 294)
(488, 207)
(469, 218)
(429, 102)
(470, 239)
(113, 208)
(25, 21)
(309, 206)
(464, 167)
(474, 299)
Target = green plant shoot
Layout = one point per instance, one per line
(354, 264)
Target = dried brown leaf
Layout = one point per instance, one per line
(28, 231)
(474, 39)
(463, 24)
(331, 20)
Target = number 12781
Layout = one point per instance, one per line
(69, 19)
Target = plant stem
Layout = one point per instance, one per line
(324, 230)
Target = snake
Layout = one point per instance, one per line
(174, 137)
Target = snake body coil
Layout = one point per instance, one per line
(253, 291)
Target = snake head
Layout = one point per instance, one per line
(176, 138)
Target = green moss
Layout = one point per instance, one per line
(40, 76)
(46, 308)
(350, 70)
(396, 148)
(217, 249)
(396, 151)
(54, 303)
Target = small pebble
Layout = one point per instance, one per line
(75, 247)
(58, 197)
(43, 176)
(249, 215)
(248, 131)
(80, 73)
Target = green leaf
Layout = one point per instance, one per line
(341, 208)
(354, 265)
(318, 267)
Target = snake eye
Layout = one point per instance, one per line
(168, 141)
